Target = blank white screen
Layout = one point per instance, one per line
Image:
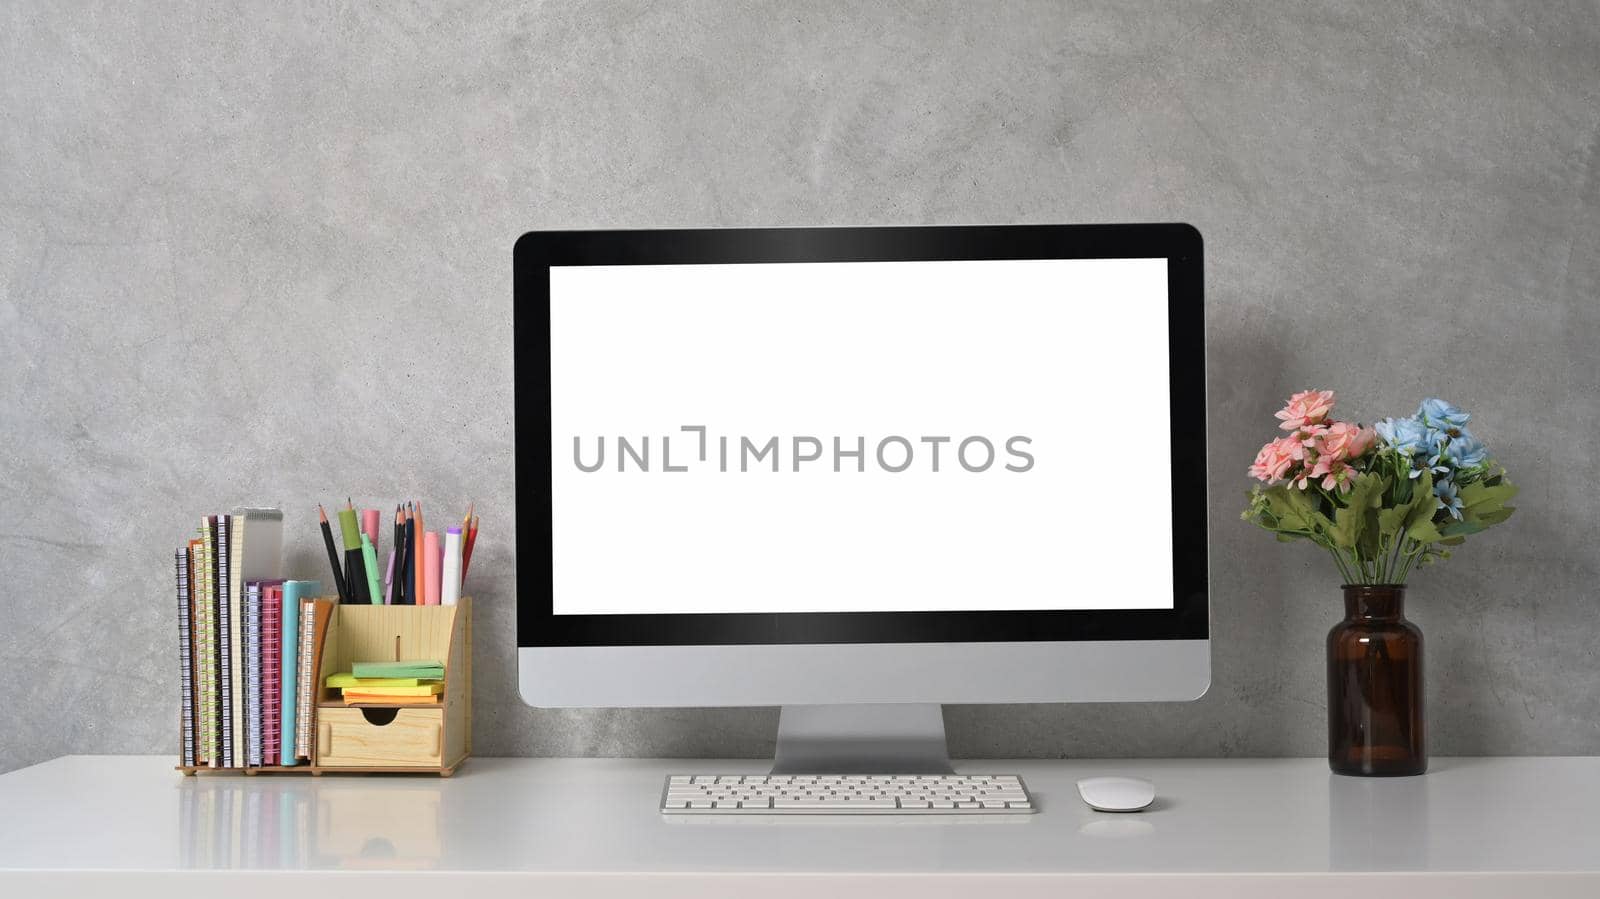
(1071, 354)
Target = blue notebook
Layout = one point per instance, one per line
(293, 592)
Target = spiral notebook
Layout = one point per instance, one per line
(180, 561)
(314, 616)
(271, 662)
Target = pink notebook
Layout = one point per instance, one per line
(271, 668)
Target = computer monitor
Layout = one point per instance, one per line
(857, 472)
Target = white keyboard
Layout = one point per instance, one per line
(845, 794)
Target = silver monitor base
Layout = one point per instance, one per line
(893, 738)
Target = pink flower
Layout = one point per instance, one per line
(1308, 435)
(1341, 441)
(1334, 473)
(1305, 408)
(1276, 458)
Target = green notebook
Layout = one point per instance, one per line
(426, 670)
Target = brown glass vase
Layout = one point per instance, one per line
(1375, 718)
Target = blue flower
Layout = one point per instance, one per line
(1467, 451)
(1439, 463)
(1445, 490)
(1442, 416)
(1408, 435)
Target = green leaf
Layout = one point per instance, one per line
(1498, 515)
(1423, 503)
(1483, 496)
(1390, 521)
(1417, 508)
(1350, 524)
(1482, 505)
(1424, 532)
(1460, 528)
(1370, 546)
(1297, 510)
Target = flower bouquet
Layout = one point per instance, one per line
(1383, 499)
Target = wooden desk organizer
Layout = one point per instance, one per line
(373, 737)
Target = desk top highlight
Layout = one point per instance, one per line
(555, 819)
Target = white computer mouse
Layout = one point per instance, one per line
(1117, 794)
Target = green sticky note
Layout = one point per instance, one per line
(427, 670)
(346, 679)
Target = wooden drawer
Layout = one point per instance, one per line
(351, 738)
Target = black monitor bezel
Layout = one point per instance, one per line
(1180, 244)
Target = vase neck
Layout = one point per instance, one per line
(1374, 600)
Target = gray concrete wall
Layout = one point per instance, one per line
(265, 256)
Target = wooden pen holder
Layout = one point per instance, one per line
(375, 737)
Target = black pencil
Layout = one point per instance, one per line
(411, 557)
(333, 555)
(397, 567)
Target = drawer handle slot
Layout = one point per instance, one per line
(379, 717)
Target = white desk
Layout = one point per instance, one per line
(130, 826)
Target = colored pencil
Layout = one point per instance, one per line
(471, 538)
(418, 597)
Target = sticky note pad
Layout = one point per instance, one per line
(423, 690)
(346, 679)
(426, 670)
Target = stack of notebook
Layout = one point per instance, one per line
(390, 683)
(248, 645)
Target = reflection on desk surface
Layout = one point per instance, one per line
(600, 816)
(291, 822)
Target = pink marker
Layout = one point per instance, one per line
(430, 568)
(369, 525)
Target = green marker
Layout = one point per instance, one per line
(370, 557)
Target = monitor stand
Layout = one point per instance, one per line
(892, 738)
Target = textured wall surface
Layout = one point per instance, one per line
(265, 256)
